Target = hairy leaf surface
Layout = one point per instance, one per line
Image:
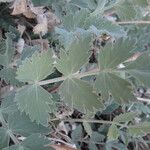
(6, 58)
(33, 142)
(78, 94)
(72, 60)
(36, 68)
(22, 125)
(113, 132)
(4, 138)
(36, 102)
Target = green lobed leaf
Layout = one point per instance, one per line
(33, 142)
(113, 132)
(36, 68)
(4, 138)
(140, 69)
(36, 102)
(104, 25)
(8, 75)
(126, 117)
(78, 94)
(6, 58)
(73, 21)
(116, 53)
(140, 129)
(108, 83)
(77, 55)
(21, 124)
(8, 105)
(125, 10)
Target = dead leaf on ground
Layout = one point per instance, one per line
(19, 7)
(41, 27)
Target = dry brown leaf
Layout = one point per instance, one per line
(61, 147)
(19, 7)
(41, 27)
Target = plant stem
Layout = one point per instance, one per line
(77, 75)
(134, 22)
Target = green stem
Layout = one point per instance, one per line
(78, 75)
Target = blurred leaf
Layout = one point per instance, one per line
(113, 132)
(8, 75)
(4, 138)
(126, 117)
(6, 58)
(77, 134)
(140, 129)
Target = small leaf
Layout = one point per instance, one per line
(139, 129)
(8, 105)
(36, 68)
(140, 69)
(4, 138)
(71, 61)
(8, 75)
(6, 58)
(33, 142)
(36, 102)
(24, 126)
(125, 10)
(116, 53)
(78, 94)
(126, 117)
(87, 128)
(113, 132)
(104, 25)
(108, 83)
(77, 134)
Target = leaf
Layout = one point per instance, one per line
(4, 138)
(36, 102)
(36, 68)
(108, 83)
(77, 55)
(33, 142)
(78, 94)
(114, 54)
(113, 132)
(8, 105)
(140, 69)
(77, 134)
(104, 26)
(97, 137)
(8, 75)
(87, 128)
(139, 129)
(126, 117)
(22, 125)
(73, 21)
(125, 10)
(6, 58)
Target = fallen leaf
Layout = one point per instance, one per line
(19, 7)
(41, 27)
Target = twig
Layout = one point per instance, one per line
(133, 22)
(143, 99)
